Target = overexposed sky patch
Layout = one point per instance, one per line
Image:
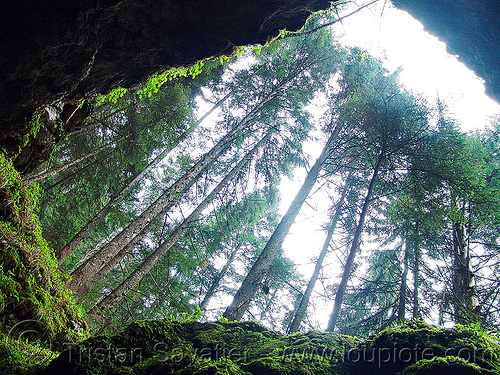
(400, 40)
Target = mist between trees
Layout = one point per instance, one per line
(166, 204)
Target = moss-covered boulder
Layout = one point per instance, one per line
(394, 349)
(445, 366)
(170, 347)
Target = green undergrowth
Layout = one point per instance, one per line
(243, 348)
(34, 304)
(32, 128)
(23, 133)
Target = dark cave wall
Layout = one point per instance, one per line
(57, 51)
(471, 30)
(54, 52)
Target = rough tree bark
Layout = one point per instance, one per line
(87, 229)
(402, 288)
(170, 197)
(416, 269)
(163, 203)
(464, 303)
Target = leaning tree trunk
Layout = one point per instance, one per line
(171, 196)
(354, 248)
(121, 137)
(137, 275)
(86, 231)
(88, 228)
(70, 177)
(300, 312)
(218, 278)
(87, 285)
(256, 274)
(163, 203)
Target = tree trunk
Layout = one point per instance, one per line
(402, 288)
(218, 278)
(136, 276)
(171, 196)
(256, 274)
(101, 121)
(47, 174)
(68, 178)
(162, 204)
(460, 271)
(300, 312)
(354, 248)
(462, 292)
(87, 229)
(416, 272)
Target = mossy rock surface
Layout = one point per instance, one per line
(33, 298)
(170, 347)
(394, 349)
(445, 366)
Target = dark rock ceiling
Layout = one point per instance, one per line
(56, 51)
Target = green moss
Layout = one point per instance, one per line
(168, 346)
(312, 365)
(222, 366)
(449, 365)
(31, 285)
(155, 81)
(23, 357)
(32, 128)
(393, 349)
(22, 133)
(248, 339)
(242, 348)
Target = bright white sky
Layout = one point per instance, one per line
(400, 40)
(393, 35)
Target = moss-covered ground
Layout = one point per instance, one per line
(243, 348)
